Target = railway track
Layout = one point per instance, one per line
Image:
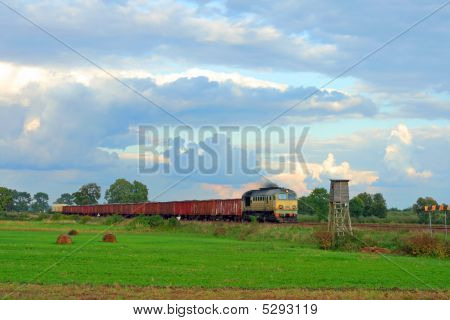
(379, 226)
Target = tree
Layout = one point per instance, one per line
(315, 203)
(140, 192)
(88, 194)
(356, 207)
(419, 207)
(123, 191)
(6, 199)
(40, 202)
(65, 198)
(21, 201)
(378, 208)
(368, 201)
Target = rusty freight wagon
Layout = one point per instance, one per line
(229, 209)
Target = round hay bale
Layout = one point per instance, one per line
(72, 232)
(109, 237)
(64, 239)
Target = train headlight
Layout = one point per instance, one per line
(280, 206)
(294, 207)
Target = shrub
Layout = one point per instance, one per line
(114, 219)
(425, 245)
(56, 216)
(155, 221)
(323, 238)
(348, 242)
(84, 219)
(42, 216)
(253, 219)
(140, 220)
(173, 222)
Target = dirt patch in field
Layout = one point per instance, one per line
(34, 291)
(109, 237)
(375, 250)
(64, 239)
(73, 232)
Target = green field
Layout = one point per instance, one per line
(168, 258)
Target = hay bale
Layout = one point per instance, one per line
(375, 250)
(109, 237)
(72, 232)
(64, 239)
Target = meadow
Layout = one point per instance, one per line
(201, 256)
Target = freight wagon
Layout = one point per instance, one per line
(229, 209)
(266, 204)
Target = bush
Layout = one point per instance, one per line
(253, 219)
(425, 245)
(42, 216)
(324, 239)
(56, 216)
(84, 219)
(349, 242)
(173, 222)
(114, 219)
(155, 221)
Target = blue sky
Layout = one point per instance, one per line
(385, 124)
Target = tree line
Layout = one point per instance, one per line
(121, 191)
(364, 204)
(13, 200)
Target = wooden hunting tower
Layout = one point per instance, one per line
(339, 221)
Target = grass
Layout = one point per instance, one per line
(193, 257)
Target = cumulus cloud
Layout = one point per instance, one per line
(402, 133)
(411, 172)
(65, 118)
(301, 182)
(398, 153)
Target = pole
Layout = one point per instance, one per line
(431, 230)
(445, 221)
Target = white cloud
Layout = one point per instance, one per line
(32, 124)
(411, 172)
(220, 77)
(402, 133)
(398, 153)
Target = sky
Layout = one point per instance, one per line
(73, 97)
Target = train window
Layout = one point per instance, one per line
(291, 196)
(282, 196)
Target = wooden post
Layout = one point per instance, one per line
(445, 221)
(431, 230)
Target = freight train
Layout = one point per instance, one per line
(272, 204)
